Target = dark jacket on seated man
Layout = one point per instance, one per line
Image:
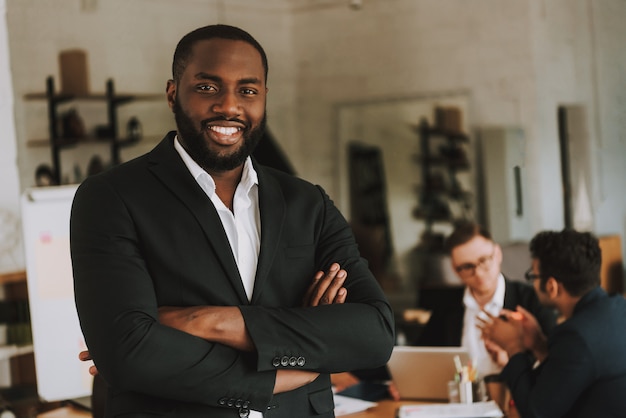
(587, 362)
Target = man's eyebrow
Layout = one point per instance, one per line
(250, 80)
(212, 77)
(207, 76)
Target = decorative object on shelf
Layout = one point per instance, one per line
(72, 125)
(95, 165)
(133, 129)
(73, 70)
(448, 119)
(44, 176)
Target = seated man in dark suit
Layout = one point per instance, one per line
(476, 258)
(583, 362)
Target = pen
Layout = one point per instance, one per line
(457, 364)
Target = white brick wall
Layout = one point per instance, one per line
(518, 61)
(9, 184)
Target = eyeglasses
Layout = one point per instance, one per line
(468, 270)
(530, 276)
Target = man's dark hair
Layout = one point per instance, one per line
(463, 232)
(571, 257)
(185, 45)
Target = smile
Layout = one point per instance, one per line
(224, 130)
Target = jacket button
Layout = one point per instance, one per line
(293, 361)
(230, 403)
(276, 362)
(238, 403)
(222, 401)
(284, 361)
(301, 361)
(245, 404)
(244, 413)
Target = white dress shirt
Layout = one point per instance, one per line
(471, 338)
(242, 225)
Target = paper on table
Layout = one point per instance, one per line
(451, 410)
(345, 405)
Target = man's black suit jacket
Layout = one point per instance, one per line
(445, 326)
(145, 235)
(584, 375)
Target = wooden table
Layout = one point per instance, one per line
(66, 412)
(383, 409)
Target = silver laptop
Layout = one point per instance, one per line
(423, 372)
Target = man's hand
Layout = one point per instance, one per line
(534, 339)
(342, 381)
(497, 353)
(504, 330)
(85, 356)
(327, 288)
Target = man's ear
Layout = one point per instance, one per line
(498, 254)
(170, 91)
(553, 287)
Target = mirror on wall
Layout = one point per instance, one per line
(392, 126)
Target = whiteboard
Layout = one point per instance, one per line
(57, 338)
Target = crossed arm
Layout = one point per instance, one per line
(225, 324)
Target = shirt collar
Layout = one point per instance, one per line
(494, 305)
(249, 175)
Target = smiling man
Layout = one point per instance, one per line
(476, 259)
(209, 285)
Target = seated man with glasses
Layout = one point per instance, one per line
(476, 258)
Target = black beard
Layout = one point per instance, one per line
(194, 143)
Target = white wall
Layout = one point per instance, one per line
(517, 61)
(132, 43)
(11, 257)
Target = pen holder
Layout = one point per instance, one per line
(466, 392)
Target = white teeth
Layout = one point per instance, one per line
(224, 130)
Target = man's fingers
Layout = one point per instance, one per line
(341, 296)
(488, 314)
(332, 290)
(306, 300)
(523, 311)
(93, 370)
(325, 290)
(84, 356)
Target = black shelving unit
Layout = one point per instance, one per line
(442, 156)
(113, 100)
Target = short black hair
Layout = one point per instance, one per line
(571, 257)
(185, 45)
(463, 232)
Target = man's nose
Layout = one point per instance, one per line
(227, 105)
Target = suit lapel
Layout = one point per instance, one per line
(272, 210)
(169, 168)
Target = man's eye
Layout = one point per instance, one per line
(465, 267)
(248, 91)
(205, 87)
